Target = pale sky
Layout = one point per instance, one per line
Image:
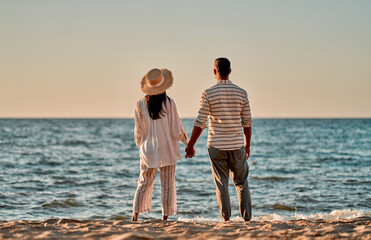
(85, 58)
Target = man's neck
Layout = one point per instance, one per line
(222, 78)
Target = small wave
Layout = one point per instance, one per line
(269, 218)
(335, 214)
(44, 171)
(335, 159)
(75, 143)
(118, 217)
(49, 162)
(283, 207)
(64, 182)
(92, 183)
(306, 199)
(272, 178)
(95, 217)
(199, 219)
(123, 173)
(63, 203)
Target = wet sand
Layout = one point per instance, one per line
(358, 228)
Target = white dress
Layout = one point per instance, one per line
(158, 140)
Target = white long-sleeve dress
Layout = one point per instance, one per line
(158, 140)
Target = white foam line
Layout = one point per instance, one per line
(335, 214)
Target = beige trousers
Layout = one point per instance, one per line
(143, 194)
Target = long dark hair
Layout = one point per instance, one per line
(154, 104)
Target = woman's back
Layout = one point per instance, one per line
(158, 139)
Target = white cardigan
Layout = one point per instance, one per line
(158, 140)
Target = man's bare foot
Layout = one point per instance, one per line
(164, 218)
(135, 217)
(226, 219)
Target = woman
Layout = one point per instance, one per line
(157, 133)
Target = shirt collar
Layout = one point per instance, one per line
(224, 82)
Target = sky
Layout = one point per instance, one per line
(85, 58)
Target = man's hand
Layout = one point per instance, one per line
(247, 148)
(247, 133)
(190, 152)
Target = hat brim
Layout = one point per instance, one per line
(168, 82)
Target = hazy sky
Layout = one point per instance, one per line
(85, 58)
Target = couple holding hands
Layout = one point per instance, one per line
(158, 130)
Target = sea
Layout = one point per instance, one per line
(89, 168)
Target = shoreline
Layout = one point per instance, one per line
(356, 228)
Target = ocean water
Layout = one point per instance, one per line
(88, 169)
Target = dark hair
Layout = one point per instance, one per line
(154, 104)
(222, 66)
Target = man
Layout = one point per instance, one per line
(227, 107)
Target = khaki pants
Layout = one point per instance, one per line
(233, 163)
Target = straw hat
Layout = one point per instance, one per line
(156, 81)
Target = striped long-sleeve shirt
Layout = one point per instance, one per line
(227, 107)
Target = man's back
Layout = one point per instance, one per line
(228, 109)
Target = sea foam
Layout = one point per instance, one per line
(335, 214)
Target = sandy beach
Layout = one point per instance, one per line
(358, 228)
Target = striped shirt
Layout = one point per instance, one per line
(227, 107)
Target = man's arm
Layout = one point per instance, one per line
(190, 151)
(199, 125)
(246, 124)
(247, 133)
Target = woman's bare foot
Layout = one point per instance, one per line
(135, 217)
(164, 218)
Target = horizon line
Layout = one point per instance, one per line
(328, 117)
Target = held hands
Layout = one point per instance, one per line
(190, 152)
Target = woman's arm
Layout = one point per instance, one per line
(139, 125)
(177, 128)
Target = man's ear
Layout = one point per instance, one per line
(230, 70)
(214, 71)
